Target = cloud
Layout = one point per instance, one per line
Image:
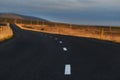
(60, 4)
(66, 10)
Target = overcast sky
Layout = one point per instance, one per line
(100, 12)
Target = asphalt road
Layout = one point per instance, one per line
(40, 56)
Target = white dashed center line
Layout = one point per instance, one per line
(60, 42)
(64, 49)
(56, 38)
(67, 69)
(50, 36)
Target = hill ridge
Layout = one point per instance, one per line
(19, 16)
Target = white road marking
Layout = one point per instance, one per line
(60, 42)
(50, 36)
(56, 38)
(64, 49)
(67, 69)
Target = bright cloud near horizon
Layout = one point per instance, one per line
(98, 12)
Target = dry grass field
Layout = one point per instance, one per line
(110, 33)
(5, 32)
(98, 32)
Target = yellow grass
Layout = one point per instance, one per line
(90, 32)
(5, 33)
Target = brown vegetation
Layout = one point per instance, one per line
(98, 32)
(91, 31)
(5, 32)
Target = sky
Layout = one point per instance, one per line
(88, 12)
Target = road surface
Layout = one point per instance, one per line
(40, 56)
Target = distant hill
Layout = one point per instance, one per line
(18, 16)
